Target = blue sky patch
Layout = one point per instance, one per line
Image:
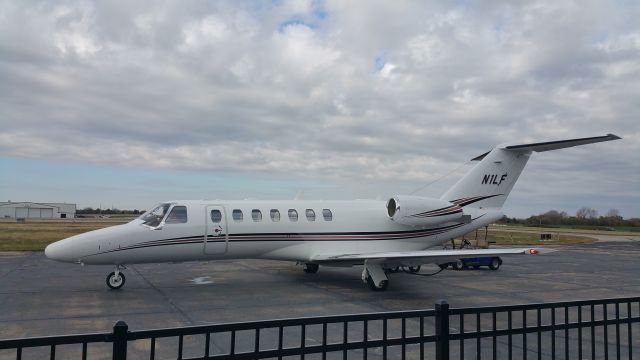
(294, 22)
(379, 62)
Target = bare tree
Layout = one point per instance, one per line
(552, 217)
(586, 213)
(613, 213)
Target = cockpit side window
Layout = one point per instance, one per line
(154, 216)
(178, 215)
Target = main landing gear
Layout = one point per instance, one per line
(116, 279)
(311, 268)
(374, 275)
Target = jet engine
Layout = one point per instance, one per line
(423, 211)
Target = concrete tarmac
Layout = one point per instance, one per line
(39, 297)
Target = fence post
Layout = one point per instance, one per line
(442, 330)
(120, 330)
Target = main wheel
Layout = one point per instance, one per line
(414, 269)
(458, 265)
(115, 282)
(394, 269)
(495, 263)
(383, 285)
(310, 268)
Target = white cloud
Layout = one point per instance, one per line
(209, 30)
(386, 70)
(302, 51)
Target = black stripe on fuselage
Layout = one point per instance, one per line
(471, 200)
(432, 214)
(255, 237)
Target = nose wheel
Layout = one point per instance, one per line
(116, 279)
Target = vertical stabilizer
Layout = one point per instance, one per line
(488, 183)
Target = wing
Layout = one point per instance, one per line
(424, 256)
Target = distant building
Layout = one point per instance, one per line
(31, 210)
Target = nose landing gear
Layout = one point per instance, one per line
(116, 279)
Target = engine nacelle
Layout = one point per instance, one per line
(422, 211)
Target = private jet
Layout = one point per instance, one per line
(377, 235)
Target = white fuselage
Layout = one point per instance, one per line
(351, 226)
(381, 236)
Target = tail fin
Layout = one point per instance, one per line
(489, 183)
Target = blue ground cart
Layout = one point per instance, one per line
(493, 262)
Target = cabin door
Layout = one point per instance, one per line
(216, 237)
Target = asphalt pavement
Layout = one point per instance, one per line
(39, 297)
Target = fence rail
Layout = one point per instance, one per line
(595, 328)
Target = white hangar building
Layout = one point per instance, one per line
(31, 210)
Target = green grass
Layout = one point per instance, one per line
(603, 230)
(509, 236)
(37, 234)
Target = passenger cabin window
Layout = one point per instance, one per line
(178, 215)
(311, 215)
(216, 216)
(236, 215)
(256, 215)
(275, 215)
(327, 215)
(293, 215)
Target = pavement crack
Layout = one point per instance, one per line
(21, 265)
(173, 305)
(164, 296)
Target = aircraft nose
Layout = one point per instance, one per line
(55, 251)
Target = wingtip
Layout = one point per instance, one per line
(540, 251)
(614, 137)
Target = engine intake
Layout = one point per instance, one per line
(423, 211)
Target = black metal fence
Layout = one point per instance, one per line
(577, 329)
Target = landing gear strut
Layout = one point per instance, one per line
(116, 279)
(374, 276)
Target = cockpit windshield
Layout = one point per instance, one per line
(154, 216)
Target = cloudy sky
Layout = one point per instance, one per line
(129, 103)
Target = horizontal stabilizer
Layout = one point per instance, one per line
(561, 144)
(553, 145)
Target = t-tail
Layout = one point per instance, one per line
(488, 184)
